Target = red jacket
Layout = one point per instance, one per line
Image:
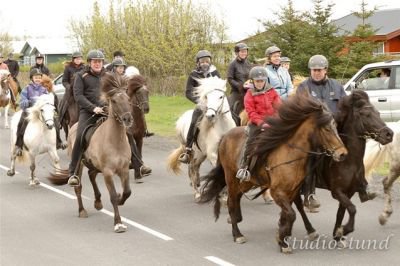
(262, 104)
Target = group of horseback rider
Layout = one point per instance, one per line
(259, 90)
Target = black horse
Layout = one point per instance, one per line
(357, 120)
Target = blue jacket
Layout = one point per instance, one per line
(279, 79)
(30, 94)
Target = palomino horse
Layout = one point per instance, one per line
(375, 155)
(216, 121)
(108, 151)
(7, 86)
(39, 137)
(280, 156)
(357, 120)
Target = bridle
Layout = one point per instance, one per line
(218, 111)
(49, 119)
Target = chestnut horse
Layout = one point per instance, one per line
(108, 151)
(7, 86)
(279, 155)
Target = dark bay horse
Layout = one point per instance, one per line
(357, 120)
(280, 156)
(68, 109)
(7, 87)
(108, 151)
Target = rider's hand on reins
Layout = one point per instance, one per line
(98, 110)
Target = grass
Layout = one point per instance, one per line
(164, 112)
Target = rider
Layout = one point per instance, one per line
(118, 66)
(204, 69)
(3, 65)
(13, 67)
(238, 73)
(39, 59)
(260, 101)
(285, 62)
(70, 69)
(329, 91)
(278, 76)
(29, 95)
(116, 55)
(87, 96)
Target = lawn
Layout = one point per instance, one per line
(164, 112)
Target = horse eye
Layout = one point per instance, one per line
(220, 97)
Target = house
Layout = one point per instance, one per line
(53, 50)
(386, 22)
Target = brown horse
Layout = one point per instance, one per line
(7, 86)
(108, 151)
(357, 120)
(279, 157)
(139, 98)
(68, 109)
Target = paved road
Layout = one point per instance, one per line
(39, 225)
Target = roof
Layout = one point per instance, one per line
(384, 21)
(49, 46)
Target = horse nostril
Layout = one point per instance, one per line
(342, 157)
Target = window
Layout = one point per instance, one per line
(379, 49)
(397, 77)
(374, 79)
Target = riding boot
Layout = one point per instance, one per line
(185, 157)
(137, 164)
(22, 124)
(310, 199)
(76, 158)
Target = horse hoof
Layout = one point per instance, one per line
(240, 240)
(287, 250)
(83, 214)
(36, 181)
(98, 205)
(342, 243)
(10, 173)
(313, 236)
(382, 219)
(197, 197)
(120, 228)
(339, 233)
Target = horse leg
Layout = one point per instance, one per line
(54, 157)
(78, 193)
(312, 234)
(119, 227)
(126, 188)
(98, 205)
(139, 144)
(11, 171)
(34, 180)
(287, 218)
(194, 174)
(387, 189)
(345, 204)
(6, 125)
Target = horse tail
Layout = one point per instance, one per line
(375, 155)
(213, 186)
(172, 162)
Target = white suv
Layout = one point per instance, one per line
(382, 83)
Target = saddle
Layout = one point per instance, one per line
(89, 131)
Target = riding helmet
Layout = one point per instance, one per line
(95, 54)
(241, 46)
(35, 72)
(201, 54)
(271, 50)
(318, 62)
(258, 73)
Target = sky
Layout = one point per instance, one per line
(51, 18)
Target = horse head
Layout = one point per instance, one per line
(138, 92)
(43, 110)
(212, 96)
(118, 101)
(357, 111)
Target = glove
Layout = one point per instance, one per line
(264, 126)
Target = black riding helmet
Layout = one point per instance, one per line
(201, 54)
(39, 55)
(95, 54)
(76, 54)
(241, 46)
(35, 72)
(118, 62)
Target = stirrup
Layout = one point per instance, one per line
(243, 174)
(74, 181)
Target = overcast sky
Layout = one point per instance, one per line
(51, 17)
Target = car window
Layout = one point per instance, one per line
(397, 78)
(374, 79)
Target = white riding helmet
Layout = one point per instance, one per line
(131, 71)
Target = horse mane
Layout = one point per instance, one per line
(207, 85)
(291, 114)
(47, 83)
(34, 111)
(111, 83)
(357, 99)
(134, 83)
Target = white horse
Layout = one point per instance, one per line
(39, 137)
(375, 155)
(216, 121)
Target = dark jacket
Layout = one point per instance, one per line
(238, 74)
(13, 67)
(69, 72)
(87, 90)
(192, 83)
(328, 91)
(42, 69)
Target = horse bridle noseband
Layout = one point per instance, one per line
(52, 119)
(219, 109)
